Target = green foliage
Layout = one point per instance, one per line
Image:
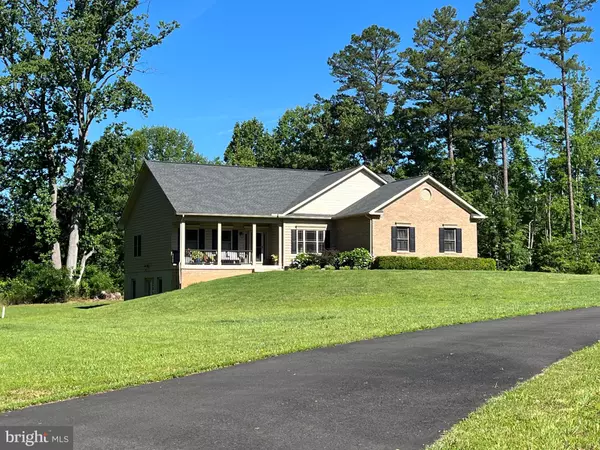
(95, 280)
(329, 258)
(559, 255)
(251, 145)
(304, 260)
(359, 258)
(164, 144)
(433, 263)
(39, 283)
(313, 267)
(329, 267)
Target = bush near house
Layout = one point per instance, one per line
(433, 263)
(359, 258)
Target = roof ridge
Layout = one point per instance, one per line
(326, 172)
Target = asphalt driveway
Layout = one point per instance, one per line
(389, 393)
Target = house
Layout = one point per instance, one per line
(187, 223)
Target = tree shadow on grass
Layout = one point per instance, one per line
(92, 306)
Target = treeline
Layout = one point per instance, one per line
(461, 103)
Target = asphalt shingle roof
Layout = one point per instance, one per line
(210, 189)
(377, 197)
(252, 191)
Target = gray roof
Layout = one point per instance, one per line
(211, 189)
(378, 197)
(255, 191)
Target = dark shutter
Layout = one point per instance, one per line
(294, 241)
(140, 245)
(394, 239)
(327, 239)
(201, 239)
(441, 240)
(234, 239)
(135, 248)
(458, 240)
(214, 239)
(411, 240)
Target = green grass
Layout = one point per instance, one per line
(559, 409)
(52, 352)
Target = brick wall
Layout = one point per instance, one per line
(427, 216)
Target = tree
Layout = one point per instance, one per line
(561, 27)
(505, 91)
(165, 144)
(435, 77)
(34, 125)
(98, 45)
(251, 145)
(367, 66)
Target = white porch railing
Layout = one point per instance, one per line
(195, 257)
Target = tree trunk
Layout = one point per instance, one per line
(84, 260)
(504, 142)
(56, 256)
(505, 165)
(451, 152)
(78, 173)
(550, 217)
(568, 148)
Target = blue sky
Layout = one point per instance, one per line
(234, 60)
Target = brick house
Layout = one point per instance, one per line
(187, 223)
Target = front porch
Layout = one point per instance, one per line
(227, 246)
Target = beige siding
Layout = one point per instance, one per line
(341, 196)
(287, 235)
(427, 216)
(152, 217)
(351, 233)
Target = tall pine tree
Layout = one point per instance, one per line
(561, 27)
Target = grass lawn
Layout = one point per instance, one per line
(559, 409)
(52, 352)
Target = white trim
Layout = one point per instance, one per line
(476, 214)
(332, 185)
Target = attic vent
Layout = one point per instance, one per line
(426, 194)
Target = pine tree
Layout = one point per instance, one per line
(561, 27)
(505, 90)
(435, 77)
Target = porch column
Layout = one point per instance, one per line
(281, 245)
(219, 246)
(253, 244)
(182, 242)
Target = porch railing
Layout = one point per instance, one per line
(195, 257)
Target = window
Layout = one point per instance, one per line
(308, 241)
(402, 236)
(137, 245)
(191, 239)
(226, 240)
(449, 240)
(159, 285)
(133, 288)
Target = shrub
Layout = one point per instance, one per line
(433, 263)
(304, 260)
(329, 267)
(314, 267)
(359, 258)
(95, 280)
(345, 268)
(39, 283)
(329, 258)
